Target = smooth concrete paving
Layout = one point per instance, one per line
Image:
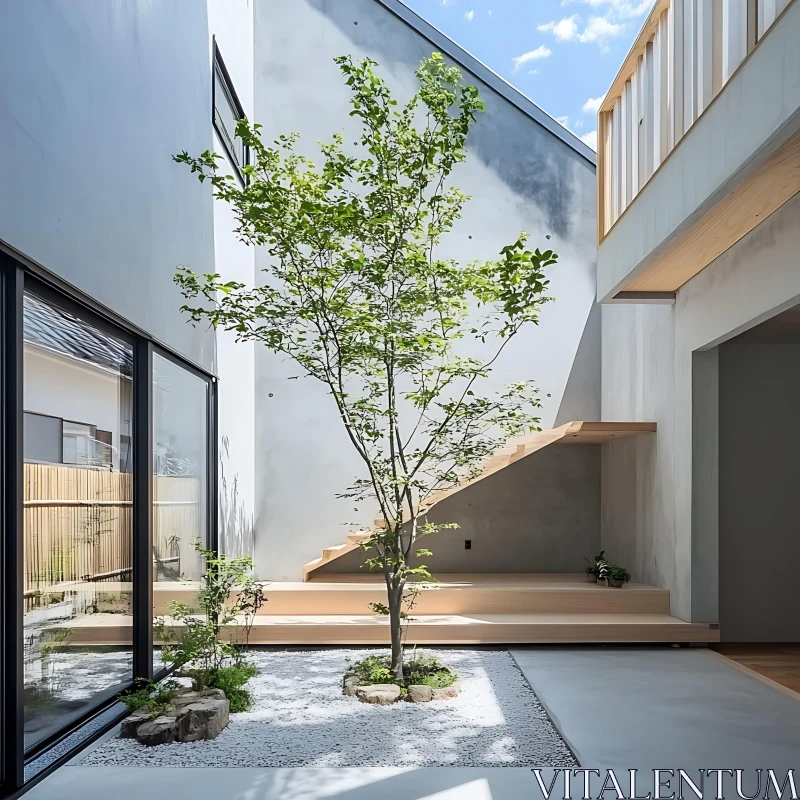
(367, 783)
(624, 707)
(618, 708)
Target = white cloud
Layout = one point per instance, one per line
(468, 15)
(592, 105)
(489, 12)
(533, 72)
(543, 51)
(597, 29)
(578, 124)
(590, 139)
(563, 121)
(448, 2)
(564, 30)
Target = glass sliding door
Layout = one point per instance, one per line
(78, 523)
(181, 403)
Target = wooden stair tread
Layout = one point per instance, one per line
(371, 630)
(538, 618)
(453, 594)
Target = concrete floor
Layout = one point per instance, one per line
(652, 708)
(619, 708)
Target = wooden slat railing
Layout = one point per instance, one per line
(684, 55)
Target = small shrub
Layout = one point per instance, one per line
(231, 680)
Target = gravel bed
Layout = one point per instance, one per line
(301, 719)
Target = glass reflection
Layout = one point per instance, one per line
(180, 482)
(78, 531)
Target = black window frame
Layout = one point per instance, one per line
(20, 275)
(226, 137)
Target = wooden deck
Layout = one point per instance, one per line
(462, 609)
(778, 664)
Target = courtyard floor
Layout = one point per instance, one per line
(617, 707)
(300, 718)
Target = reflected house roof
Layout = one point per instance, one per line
(59, 331)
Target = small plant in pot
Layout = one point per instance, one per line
(593, 570)
(617, 575)
(604, 572)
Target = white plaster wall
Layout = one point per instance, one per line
(95, 98)
(231, 24)
(521, 177)
(648, 518)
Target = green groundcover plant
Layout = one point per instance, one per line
(420, 669)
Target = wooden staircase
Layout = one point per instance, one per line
(571, 433)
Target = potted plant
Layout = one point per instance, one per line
(617, 575)
(603, 572)
(592, 571)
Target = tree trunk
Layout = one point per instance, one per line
(395, 592)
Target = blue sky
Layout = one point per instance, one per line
(563, 54)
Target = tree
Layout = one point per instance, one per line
(358, 297)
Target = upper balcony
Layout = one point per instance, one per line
(697, 140)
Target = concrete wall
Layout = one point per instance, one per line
(756, 112)
(759, 502)
(541, 514)
(657, 509)
(522, 177)
(96, 99)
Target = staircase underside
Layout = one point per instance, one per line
(569, 434)
(464, 609)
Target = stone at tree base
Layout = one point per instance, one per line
(382, 694)
(204, 720)
(351, 684)
(161, 730)
(130, 725)
(453, 690)
(419, 693)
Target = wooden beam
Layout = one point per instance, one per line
(689, 63)
(635, 118)
(625, 148)
(616, 150)
(705, 54)
(760, 194)
(734, 35)
(649, 115)
(751, 34)
(676, 61)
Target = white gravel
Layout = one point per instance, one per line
(301, 719)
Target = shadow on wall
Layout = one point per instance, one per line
(527, 158)
(581, 398)
(236, 527)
